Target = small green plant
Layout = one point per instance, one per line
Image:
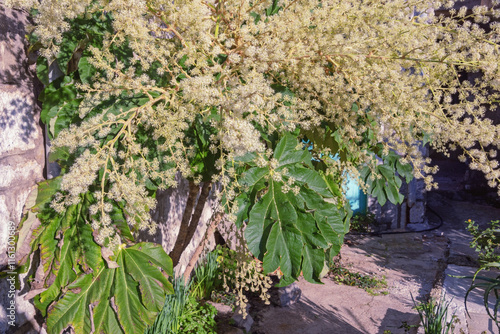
(182, 313)
(206, 279)
(168, 320)
(404, 325)
(369, 283)
(433, 315)
(485, 242)
(407, 327)
(489, 286)
(362, 223)
(198, 318)
(223, 297)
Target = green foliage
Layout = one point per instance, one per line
(117, 290)
(433, 316)
(198, 318)
(362, 222)
(206, 279)
(371, 284)
(135, 286)
(489, 287)
(485, 242)
(407, 327)
(168, 320)
(214, 274)
(387, 186)
(290, 230)
(78, 273)
(183, 313)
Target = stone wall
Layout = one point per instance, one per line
(21, 154)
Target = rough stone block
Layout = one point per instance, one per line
(19, 130)
(30, 171)
(243, 323)
(11, 208)
(4, 229)
(12, 46)
(417, 213)
(25, 312)
(387, 214)
(285, 296)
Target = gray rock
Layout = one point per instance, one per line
(285, 296)
(417, 212)
(243, 323)
(11, 208)
(22, 159)
(22, 317)
(12, 46)
(12, 175)
(19, 131)
(222, 309)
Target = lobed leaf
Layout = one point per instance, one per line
(123, 300)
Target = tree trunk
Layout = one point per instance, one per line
(176, 252)
(198, 210)
(208, 234)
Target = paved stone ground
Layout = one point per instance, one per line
(409, 263)
(462, 259)
(417, 264)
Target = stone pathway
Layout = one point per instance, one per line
(462, 259)
(409, 263)
(417, 264)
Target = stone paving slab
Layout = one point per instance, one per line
(409, 262)
(454, 290)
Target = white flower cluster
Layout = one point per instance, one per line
(240, 137)
(373, 72)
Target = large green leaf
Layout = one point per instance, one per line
(290, 231)
(73, 308)
(151, 281)
(258, 225)
(286, 152)
(67, 249)
(137, 289)
(86, 70)
(81, 290)
(312, 178)
(313, 263)
(105, 318)
(42, 70)
(283, 238)
(59, 105)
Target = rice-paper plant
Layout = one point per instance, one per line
(225, 93)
